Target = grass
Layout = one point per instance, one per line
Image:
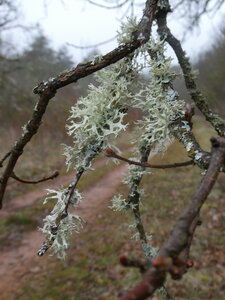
(92, 271)
(14, 226)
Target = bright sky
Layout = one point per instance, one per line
(80, 23)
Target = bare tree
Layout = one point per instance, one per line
(100, 115)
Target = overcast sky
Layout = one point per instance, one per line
(80, 23)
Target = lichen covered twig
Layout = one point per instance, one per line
(168, 256)
(60, 224)
(189, 78)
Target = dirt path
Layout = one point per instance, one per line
(15, 263)
(28, 199)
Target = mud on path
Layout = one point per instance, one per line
(17, 262)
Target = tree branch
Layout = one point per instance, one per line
(111, 153)
(47, 90)
(70, 190)
(54, 175)
(92, 46)
(183, 133)
(168, 257)
(4, 158)
(133, 202)
(200, 101)
(136, 263)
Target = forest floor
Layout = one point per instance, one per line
(91, 269)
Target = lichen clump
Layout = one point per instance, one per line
(97, 119)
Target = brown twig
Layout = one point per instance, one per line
(139, 37)
(54, 175)
(168, 257)
(185, 253)
(110, 153)
(47, 90)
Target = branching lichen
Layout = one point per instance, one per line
(94, 120)
(158, 101)
(59, 224)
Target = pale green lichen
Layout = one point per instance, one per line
(118, 203)
(94, 121)
(126, 30)
(96, 59)
(99, 117)
(58, 227)
(158, 100)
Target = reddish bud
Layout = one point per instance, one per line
(158, 261)
(123, 260)
(109, 152)
(176, 273)
(190, 263)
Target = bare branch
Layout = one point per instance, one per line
(54, 175)
(193, 10)
(92, 46)
(111, 153)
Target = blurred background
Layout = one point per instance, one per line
(40, 39)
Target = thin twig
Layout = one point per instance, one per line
(54, 175)
(94, 45)
(111, 153)
(108, 7)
